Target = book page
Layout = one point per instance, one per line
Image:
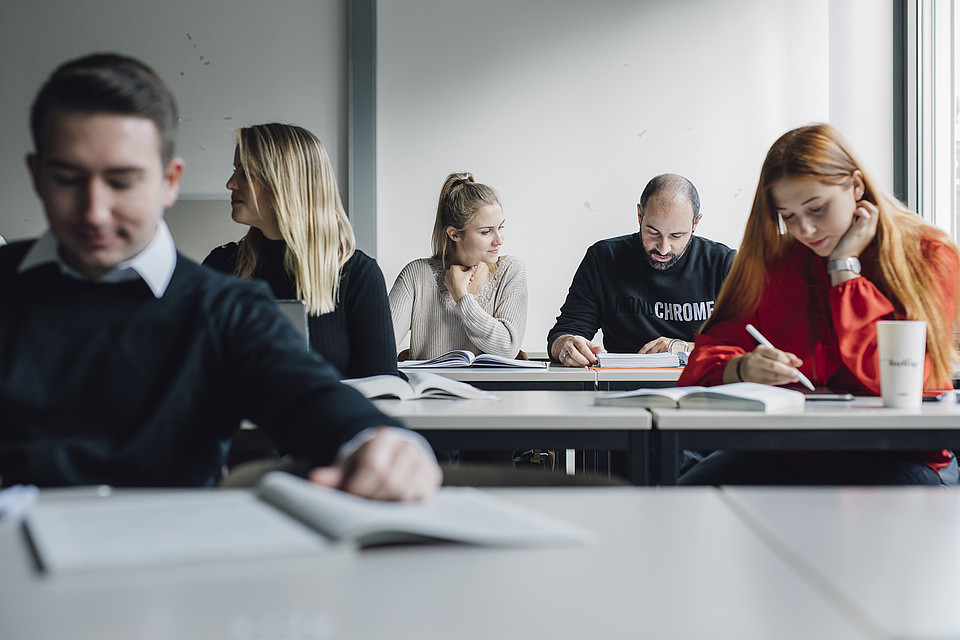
(382, 386)
(454, 514)
(431, 385)
(135, 529)
(459, 358)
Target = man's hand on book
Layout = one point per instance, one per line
(385, 467)
(664, 344)
(575, 351)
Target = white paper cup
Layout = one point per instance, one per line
(901, 346)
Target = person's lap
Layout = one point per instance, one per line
(846, 468)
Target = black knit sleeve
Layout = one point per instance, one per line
(372, 347)
(290, 392)
(580, 313)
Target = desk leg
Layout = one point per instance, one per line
(669, 457)
(638, 458)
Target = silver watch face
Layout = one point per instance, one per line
(847, 264)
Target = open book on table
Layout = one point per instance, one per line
(464, 358)
(284, 516)
(640, 360)
(421, 385)
(739, 396)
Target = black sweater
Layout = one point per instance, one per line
(617, 290)
(104, 383)
(357, 336)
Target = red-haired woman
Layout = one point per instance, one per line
(825, 255)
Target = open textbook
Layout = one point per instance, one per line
(421, 385)
(284, 516)
(463, 358)
(739, 396)
(640, 360)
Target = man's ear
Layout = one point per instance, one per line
(696, 221)
(33, 166)
(639, 215)
(453, 234)
(172, 176)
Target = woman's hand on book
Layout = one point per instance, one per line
(388, 466)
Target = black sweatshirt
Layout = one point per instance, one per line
(357, 336)
(105, 383)
(616, 289)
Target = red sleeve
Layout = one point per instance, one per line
(713, 351)
(857, 304)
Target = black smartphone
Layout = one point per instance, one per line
(836, 397)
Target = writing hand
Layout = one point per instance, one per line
(662, 344)
(385, 467)
(457, 279)
(766, 365)
(575, 351)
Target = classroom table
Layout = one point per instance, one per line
(557, 377)
(861, 424)
(530, 420)
(890, 557)
(678, 563)
(553, 377)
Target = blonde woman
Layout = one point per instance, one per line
(302, 244)
(825, 255)
(467, 295)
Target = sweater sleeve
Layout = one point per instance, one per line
(402, 296)
(298, 397)
(372, 346)
(501, 333)
(580, 313)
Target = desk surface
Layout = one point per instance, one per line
(553, 373)
(668, 564)
(861, 413)
(891, 556)
(547, 410)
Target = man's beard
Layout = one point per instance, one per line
(663, 266)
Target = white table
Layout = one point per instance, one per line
(553, 377)
(530, 420)
(890, 557)
(557, 377)
(667, 564)
(863, 424)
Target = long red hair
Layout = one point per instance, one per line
(909, 279)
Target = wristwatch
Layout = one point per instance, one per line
(847, 264)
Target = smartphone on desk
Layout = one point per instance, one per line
(937, 395)
(833, 397)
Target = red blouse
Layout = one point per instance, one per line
(832, 329)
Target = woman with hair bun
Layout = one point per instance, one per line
(467, 295)
(302, 244)
(825, 255)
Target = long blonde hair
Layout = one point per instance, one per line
(461, 198)
(295, 179)
(903, 274)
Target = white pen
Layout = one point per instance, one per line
(759, 338)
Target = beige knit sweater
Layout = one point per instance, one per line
(491, 321)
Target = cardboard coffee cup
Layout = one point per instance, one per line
(901, 346)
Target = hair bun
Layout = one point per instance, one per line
(462, 178)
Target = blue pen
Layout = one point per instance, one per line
(759, 338)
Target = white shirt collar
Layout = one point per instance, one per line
(154, 265)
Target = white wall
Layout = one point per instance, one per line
(568, 108)
(230, 63)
